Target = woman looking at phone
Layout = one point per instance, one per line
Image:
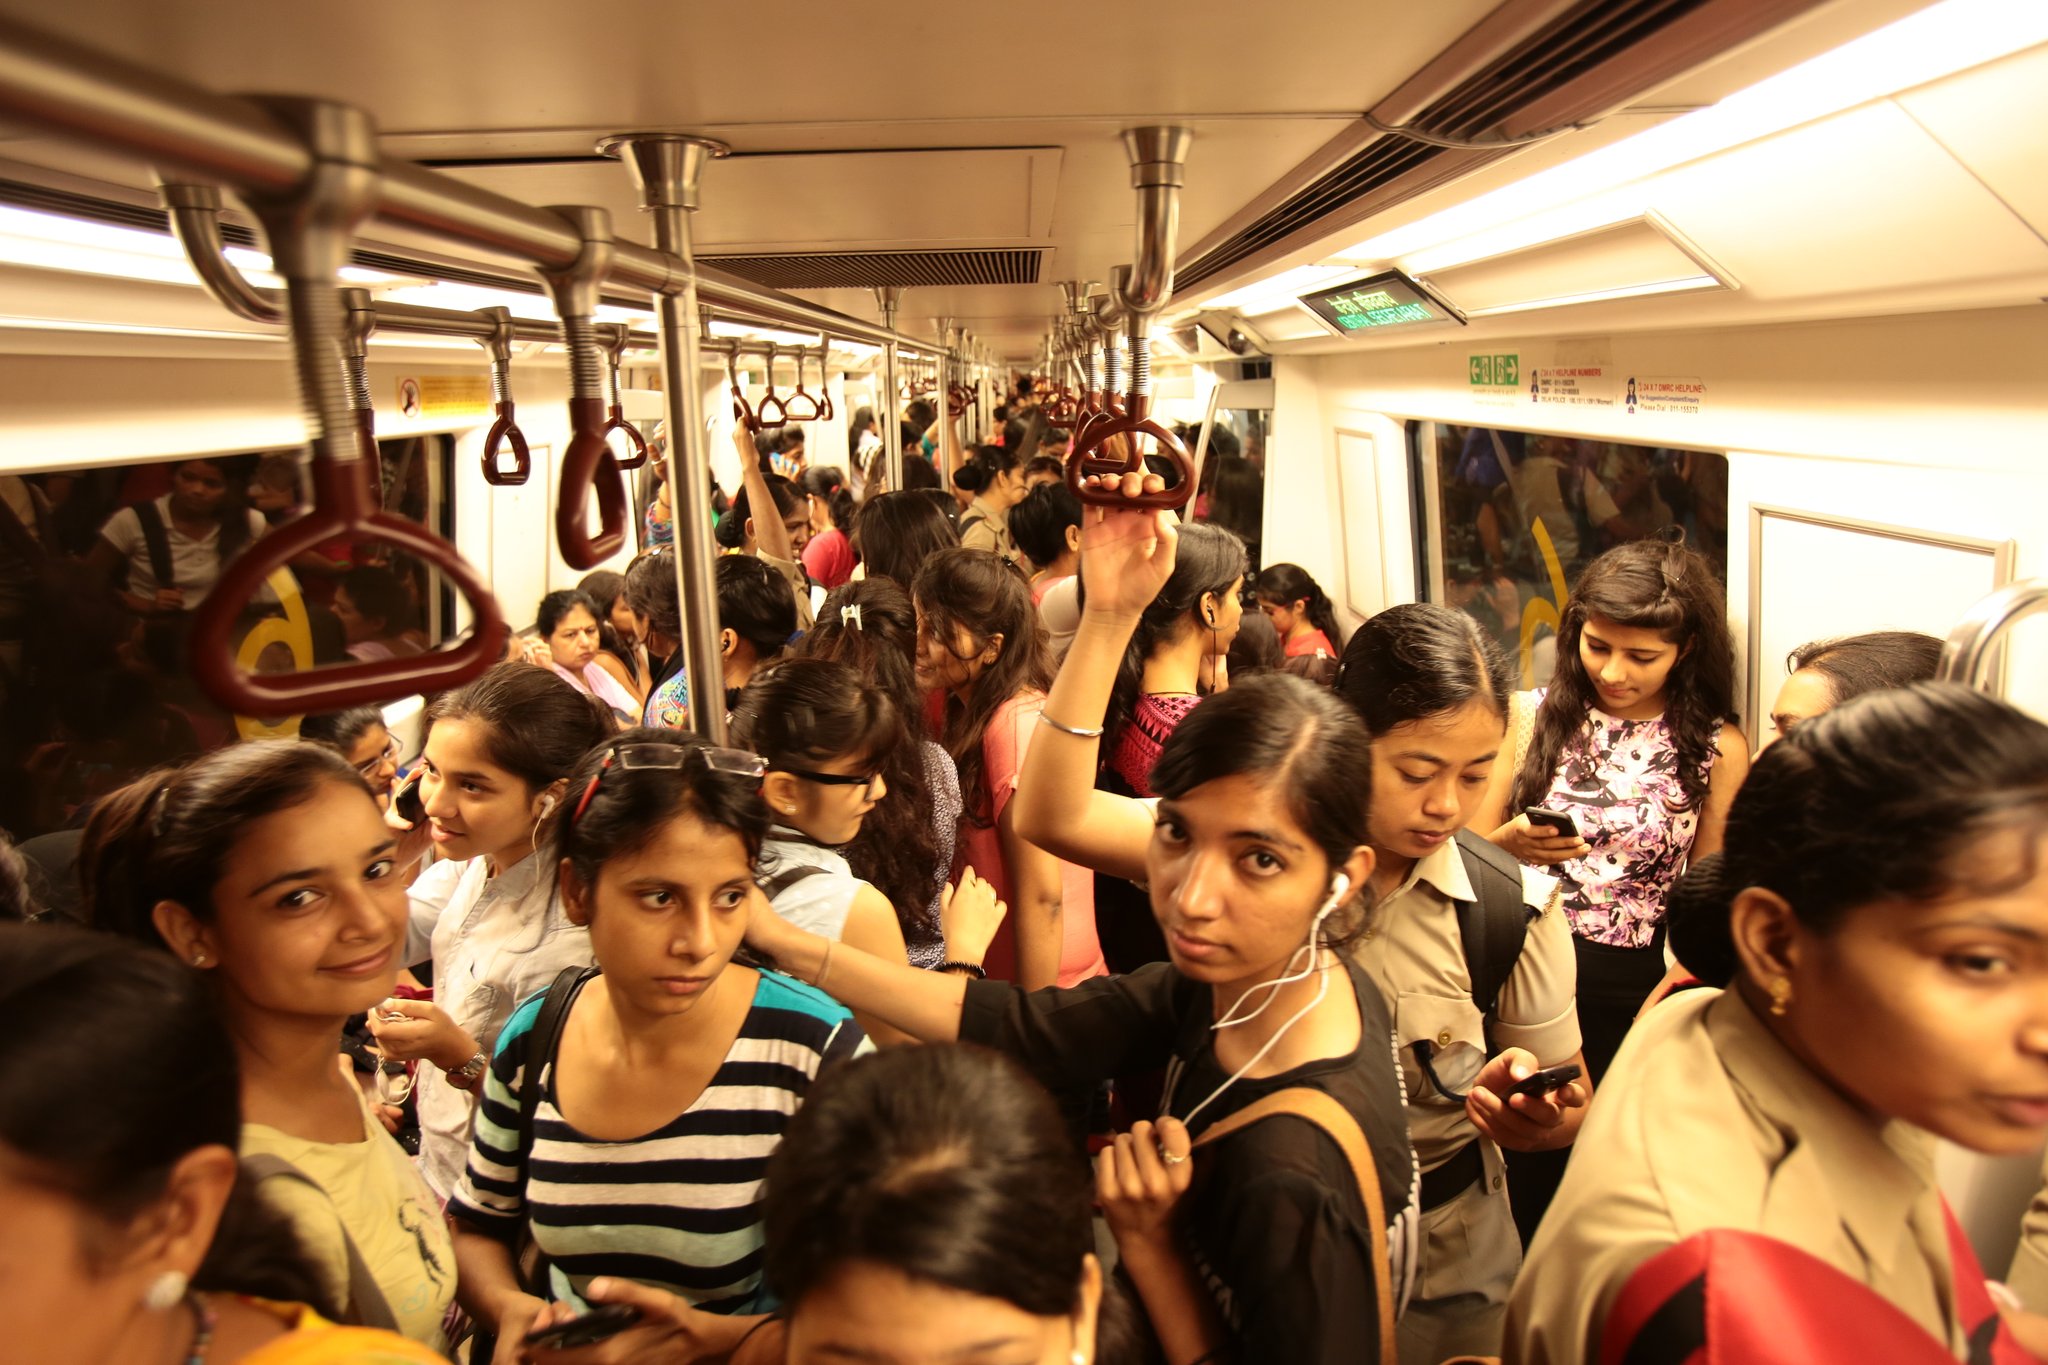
(1876, 920)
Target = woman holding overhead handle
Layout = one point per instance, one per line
(1281, 1245)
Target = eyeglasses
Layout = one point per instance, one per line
(865, 783)
(392, 750)
(736, 762)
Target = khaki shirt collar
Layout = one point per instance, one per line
(1444, 870)
(1840, 1164)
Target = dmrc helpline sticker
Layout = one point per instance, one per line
(1681, 394)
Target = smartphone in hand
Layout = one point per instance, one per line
(599, 1324)
(1552, 823)
(1545, 1081)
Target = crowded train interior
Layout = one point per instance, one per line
(1082, 684)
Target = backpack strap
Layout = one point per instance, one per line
(542, 1043)
(1493, 927)
(785, 879)
(971, 519)
(157, 541)
(367, 1306)
(1337, 1123)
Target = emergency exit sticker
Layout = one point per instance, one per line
(444, 395)
(1494, 379)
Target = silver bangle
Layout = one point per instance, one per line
(1076, 731)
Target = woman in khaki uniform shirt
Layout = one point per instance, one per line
(1880, 918)
(1433, 691)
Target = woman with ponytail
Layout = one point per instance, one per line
(1875, 920)
(828, 556)
(1301, 611)
(131, 1233)
(1635, 741)
(268, 869)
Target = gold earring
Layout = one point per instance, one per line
(199, 959)
(1781, 995)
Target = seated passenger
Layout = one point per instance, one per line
(1877, 917)
(994, 476)
(358, 735)
(1476, 1012)
(982, 653)
(1254, 858)
(649, 1114)
(756, 620)
(905, 845)
(375, 615)
(267, 867)
(621, 631)
(131, 1233)
(1300, 610)
(896, 533)
(566, 622)
(828, 556)
(498, 756)
(1826, 673)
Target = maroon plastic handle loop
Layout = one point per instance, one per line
(344, 504)
(825, 408)
(588, 463)
(789, 404)
(761, 422)
(617, 422)
(1088, 460)
(503, 430)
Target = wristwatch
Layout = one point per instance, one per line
(465, 1076)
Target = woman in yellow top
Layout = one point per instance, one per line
(131, 1235)
(1879, 918)
(267, 869)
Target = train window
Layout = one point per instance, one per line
(100, 571)
(1233, 493)
(1508, 518)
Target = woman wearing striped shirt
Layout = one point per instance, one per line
(675, 1071)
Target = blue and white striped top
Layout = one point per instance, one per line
(679, 1208)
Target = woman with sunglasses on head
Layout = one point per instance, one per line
(268, 869)
(358, 734)
(905, 845)
(656, 1104)
(1266, 1246)
(982, 651)
(132, 1235)
(486, 916)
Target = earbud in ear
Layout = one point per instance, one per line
(547, 805)
(1340, 887)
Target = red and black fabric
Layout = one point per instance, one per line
(1722, 1297)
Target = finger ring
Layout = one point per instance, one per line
(1170, 1159)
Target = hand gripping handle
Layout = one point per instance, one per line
(344, 504)
(1089, 459)
(615, 338)
(741, 412)
(768, 399)
(588, 463)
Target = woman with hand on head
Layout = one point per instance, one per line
(1265, 1245)
(486, 916)
(1876, 918)
(567, 623)
(1473, 953)
(633, 1139)
(132, 1233)
(981, 647)
(905, 845)
(267, 867)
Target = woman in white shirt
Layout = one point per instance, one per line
(498, 754)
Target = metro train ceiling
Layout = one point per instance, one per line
(865, 129)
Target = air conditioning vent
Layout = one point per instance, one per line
(1592, 58)
(865, 269)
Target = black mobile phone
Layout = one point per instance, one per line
(407, 801)
(599, 1324)
(1556, 821)
(1543, 1082)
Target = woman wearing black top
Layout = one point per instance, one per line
(1258, 841)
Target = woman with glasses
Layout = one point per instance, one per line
(633, 1140)
(497, 760)
(824, 735)
(358, 735)
(982, 649)
(266, 867)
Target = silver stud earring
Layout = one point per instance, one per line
(199, 959)
(166, 1291)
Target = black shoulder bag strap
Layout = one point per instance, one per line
(367, 1306)
(157, 541)
(1493, 927)
(541, 1045)
(785, 879)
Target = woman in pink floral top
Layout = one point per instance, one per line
(1635, 741)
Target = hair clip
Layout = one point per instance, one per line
(849, 616)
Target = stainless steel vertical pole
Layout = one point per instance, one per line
(888, 409)
(668, 167)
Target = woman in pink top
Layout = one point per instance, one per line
(567, 624)
(980, 645)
